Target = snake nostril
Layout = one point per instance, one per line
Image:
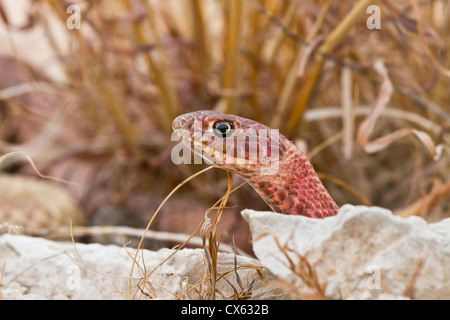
(180, 123)
(176, 124)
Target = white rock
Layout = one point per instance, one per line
(12, 294)
(361, 253)
(42, 269)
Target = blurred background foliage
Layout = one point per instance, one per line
(94, 105)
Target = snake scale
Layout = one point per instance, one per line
(278, 171)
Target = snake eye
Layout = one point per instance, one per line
(223, 129)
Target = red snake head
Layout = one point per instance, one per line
(270, 163)
(236, 144)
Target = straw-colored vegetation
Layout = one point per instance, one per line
(371, 108)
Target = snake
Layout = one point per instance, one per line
(269, 162)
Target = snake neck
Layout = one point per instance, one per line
(295, 188)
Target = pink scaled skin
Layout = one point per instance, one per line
(280, 173)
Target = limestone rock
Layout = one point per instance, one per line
(34, 204)
(361, 253)
(37, 268)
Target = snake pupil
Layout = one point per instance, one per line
(223, 129)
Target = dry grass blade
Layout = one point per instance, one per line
(438, 194)
(303, 269)
(200, 31)
(246, 290)
(421, 32)
(410, 290)
(82, 231)
(156, 213)
(232, 46)
(211, 250)
(140, 263)
(354, 16)
(33, 165)
(386, 90)
(368, 125)
(297, 69)
(329, 44)
(364, 200)
(90, 267)
(24, 88)
(211, 247)
(159, 69)
(348, 113)
(381, 143)
(32, 266)
(1, 279)
(238, 278)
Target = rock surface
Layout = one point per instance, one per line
(37, 268)
(361, 253)
(35, 204)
